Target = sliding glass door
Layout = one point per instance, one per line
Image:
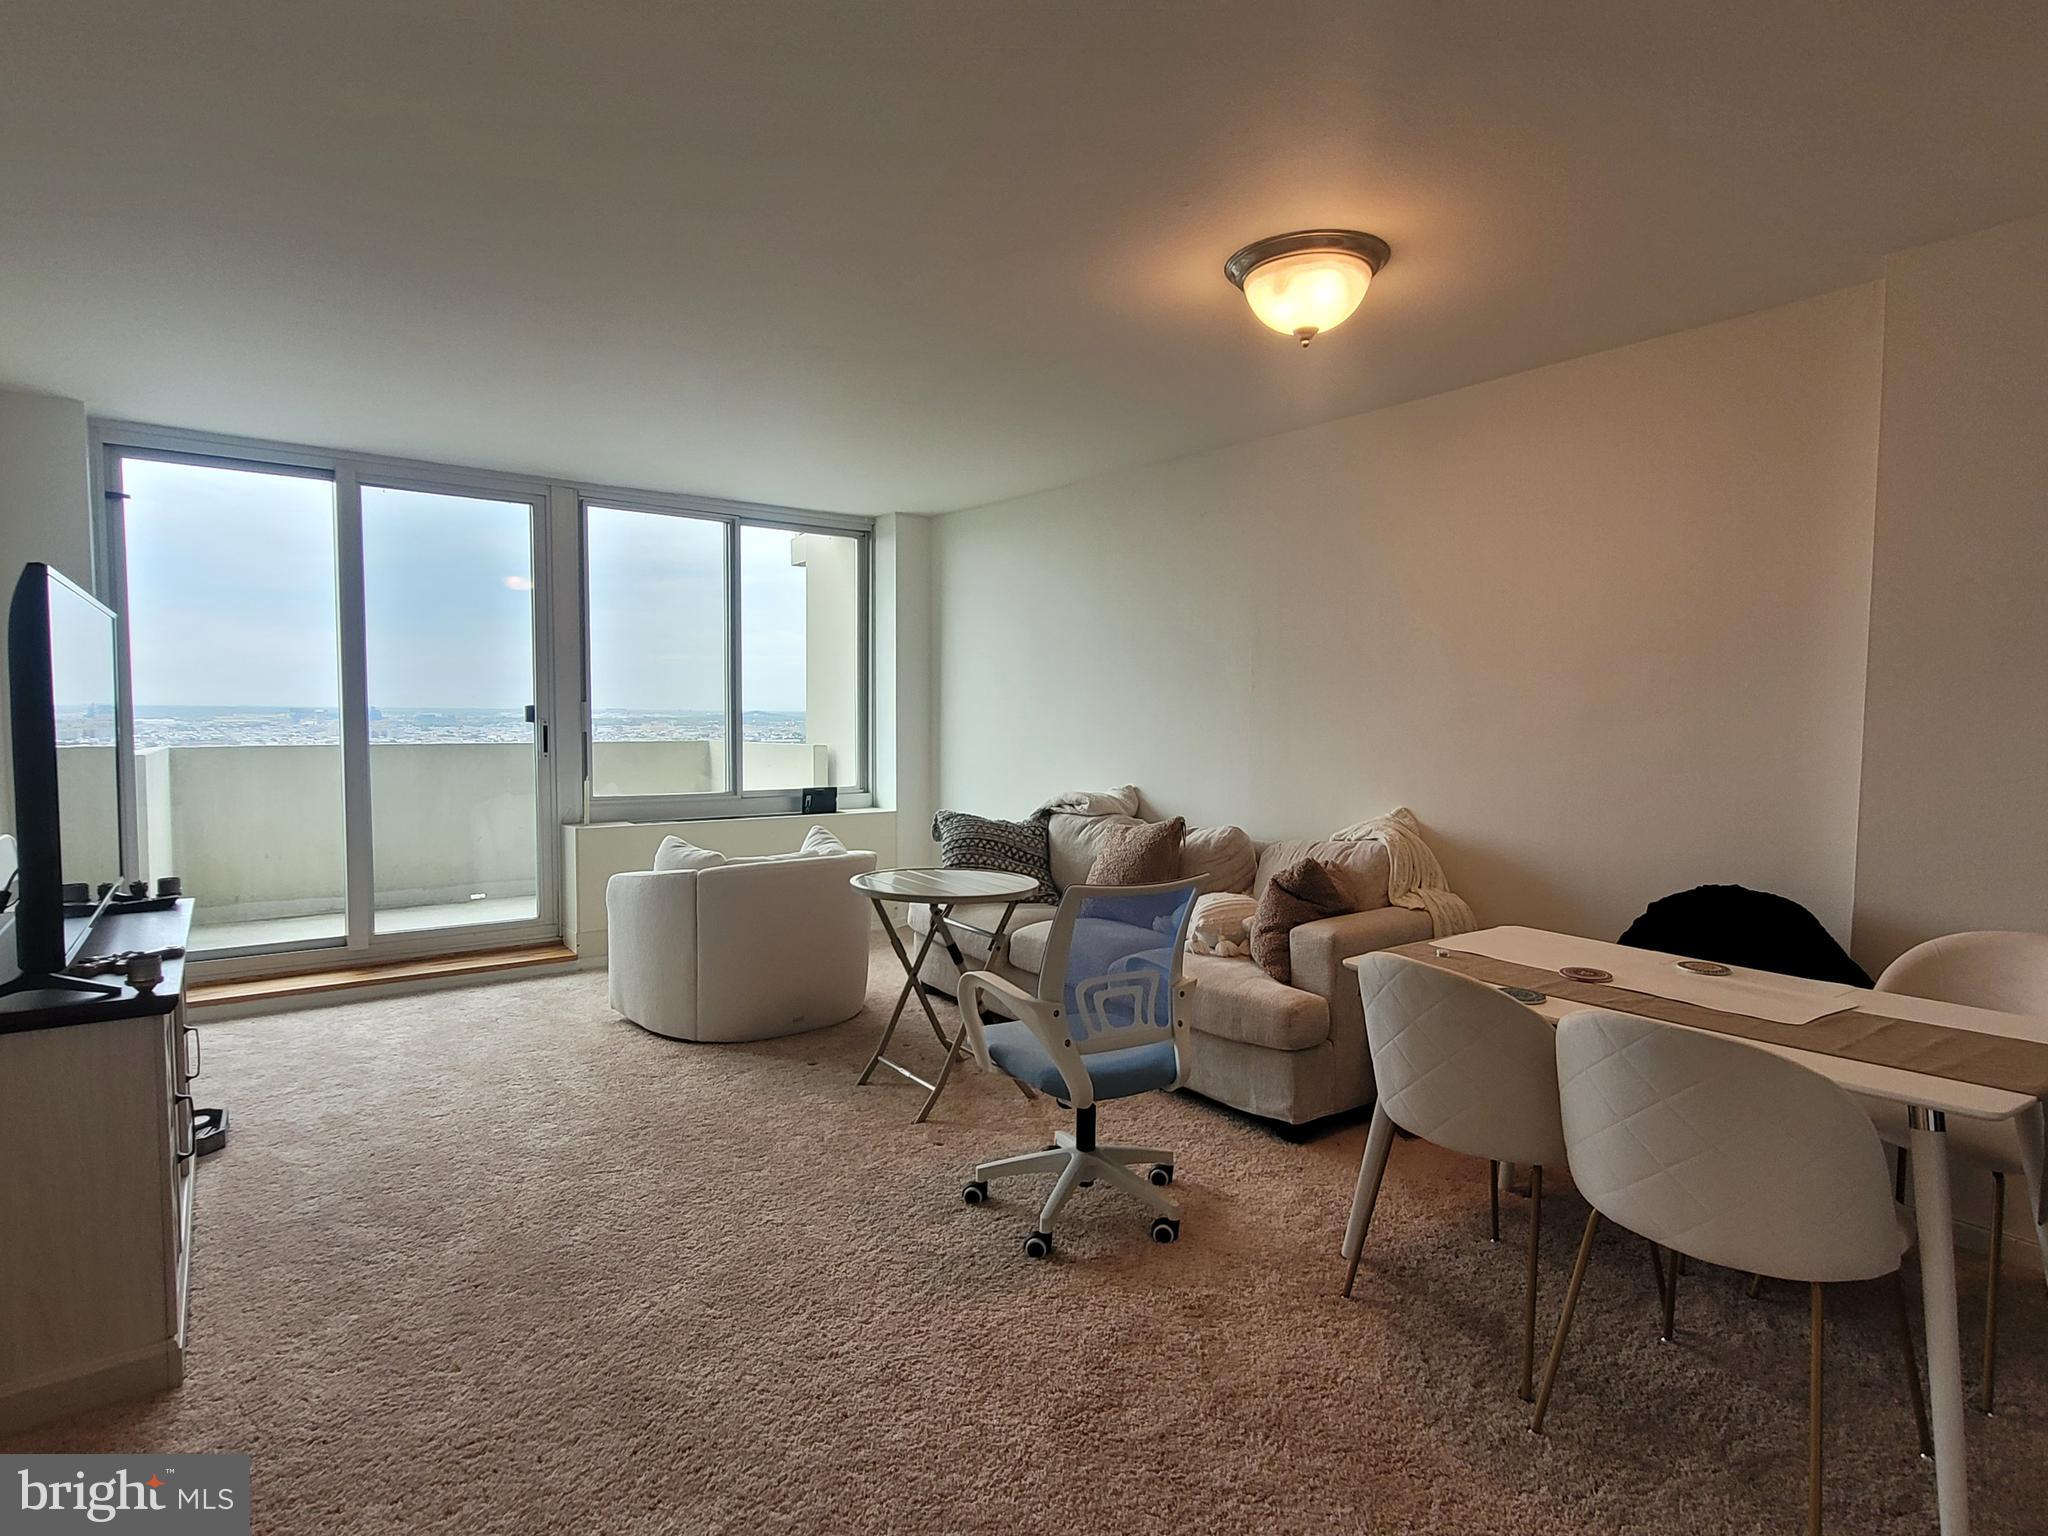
(454, 768)
(336, 738)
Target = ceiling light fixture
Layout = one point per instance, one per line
(1304, 283)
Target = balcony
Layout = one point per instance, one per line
(255, 832)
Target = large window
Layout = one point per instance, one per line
(362, 694)
(727, 660)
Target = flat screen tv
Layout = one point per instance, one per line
(62, 703)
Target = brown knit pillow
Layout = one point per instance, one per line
(1301, 893)
(1147, 853)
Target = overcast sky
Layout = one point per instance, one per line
(231, 599)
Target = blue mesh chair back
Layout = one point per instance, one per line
(1113, 962)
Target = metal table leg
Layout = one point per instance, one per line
(910, 985)
(995, 949)
(913, 986)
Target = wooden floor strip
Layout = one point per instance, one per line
(303, 983)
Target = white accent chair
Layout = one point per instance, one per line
(740, 949)
(1719, 1150)
(1465, 1066)
(1108, 1020)
(2008, 973)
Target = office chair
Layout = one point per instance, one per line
(1108, 1021)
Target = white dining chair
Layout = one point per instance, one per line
(1719, 1150)
(2006, 972)
(1460, 1064)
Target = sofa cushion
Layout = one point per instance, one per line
(1235, 1000)
(971, 923)
(1360, 868)
(1027, 944)
(1076, 840)
(1222, 858)
(1147, 854)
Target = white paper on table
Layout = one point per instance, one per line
(1760, 994)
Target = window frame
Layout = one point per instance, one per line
(562, 658)
(736, 800)
(348, 472)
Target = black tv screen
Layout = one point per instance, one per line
(63, 707)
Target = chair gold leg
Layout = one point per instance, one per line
(1564, 1322)
(1813, 1412)
(1670, 1289)
(1991, 1286)
(1664, 1287)
(1528, 1392)
(1493, 1198)
(1912, 1364)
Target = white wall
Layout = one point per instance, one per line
(1954, 828)
(1601, 625)
(45, 514)
(906, 748)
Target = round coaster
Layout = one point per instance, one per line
(1524, 995)
(1704, 967)
(1584, 973)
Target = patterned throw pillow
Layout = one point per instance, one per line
(1014, 847)
(1145, 854)
(1303, 892)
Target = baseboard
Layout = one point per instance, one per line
(156, 1368)
(269, 994)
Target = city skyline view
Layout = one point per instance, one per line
(232, 600)
(192, 725)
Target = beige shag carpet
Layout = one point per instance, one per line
(496, 1260)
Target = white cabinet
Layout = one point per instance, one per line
(96, 1202)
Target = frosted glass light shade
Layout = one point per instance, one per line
(1304, 295)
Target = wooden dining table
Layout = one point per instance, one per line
(1862, 1040)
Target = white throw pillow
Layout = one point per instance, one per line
(821, 844)
(1221, 924)
(675, 854)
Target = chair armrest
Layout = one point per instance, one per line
(976, 988)
(1317, 951)
(651, 948)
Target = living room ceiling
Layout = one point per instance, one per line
(925, 254)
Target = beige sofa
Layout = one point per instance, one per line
(1289, 1053)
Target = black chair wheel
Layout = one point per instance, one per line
(1038, 1245)
(976, 1192)
(1165, 1230)
(1162, 1173)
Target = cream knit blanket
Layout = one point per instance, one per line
(1120, 801)
(1415, 879)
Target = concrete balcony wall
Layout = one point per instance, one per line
(256, 831)
(697, 767)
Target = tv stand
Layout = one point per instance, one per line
(99, 1144)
